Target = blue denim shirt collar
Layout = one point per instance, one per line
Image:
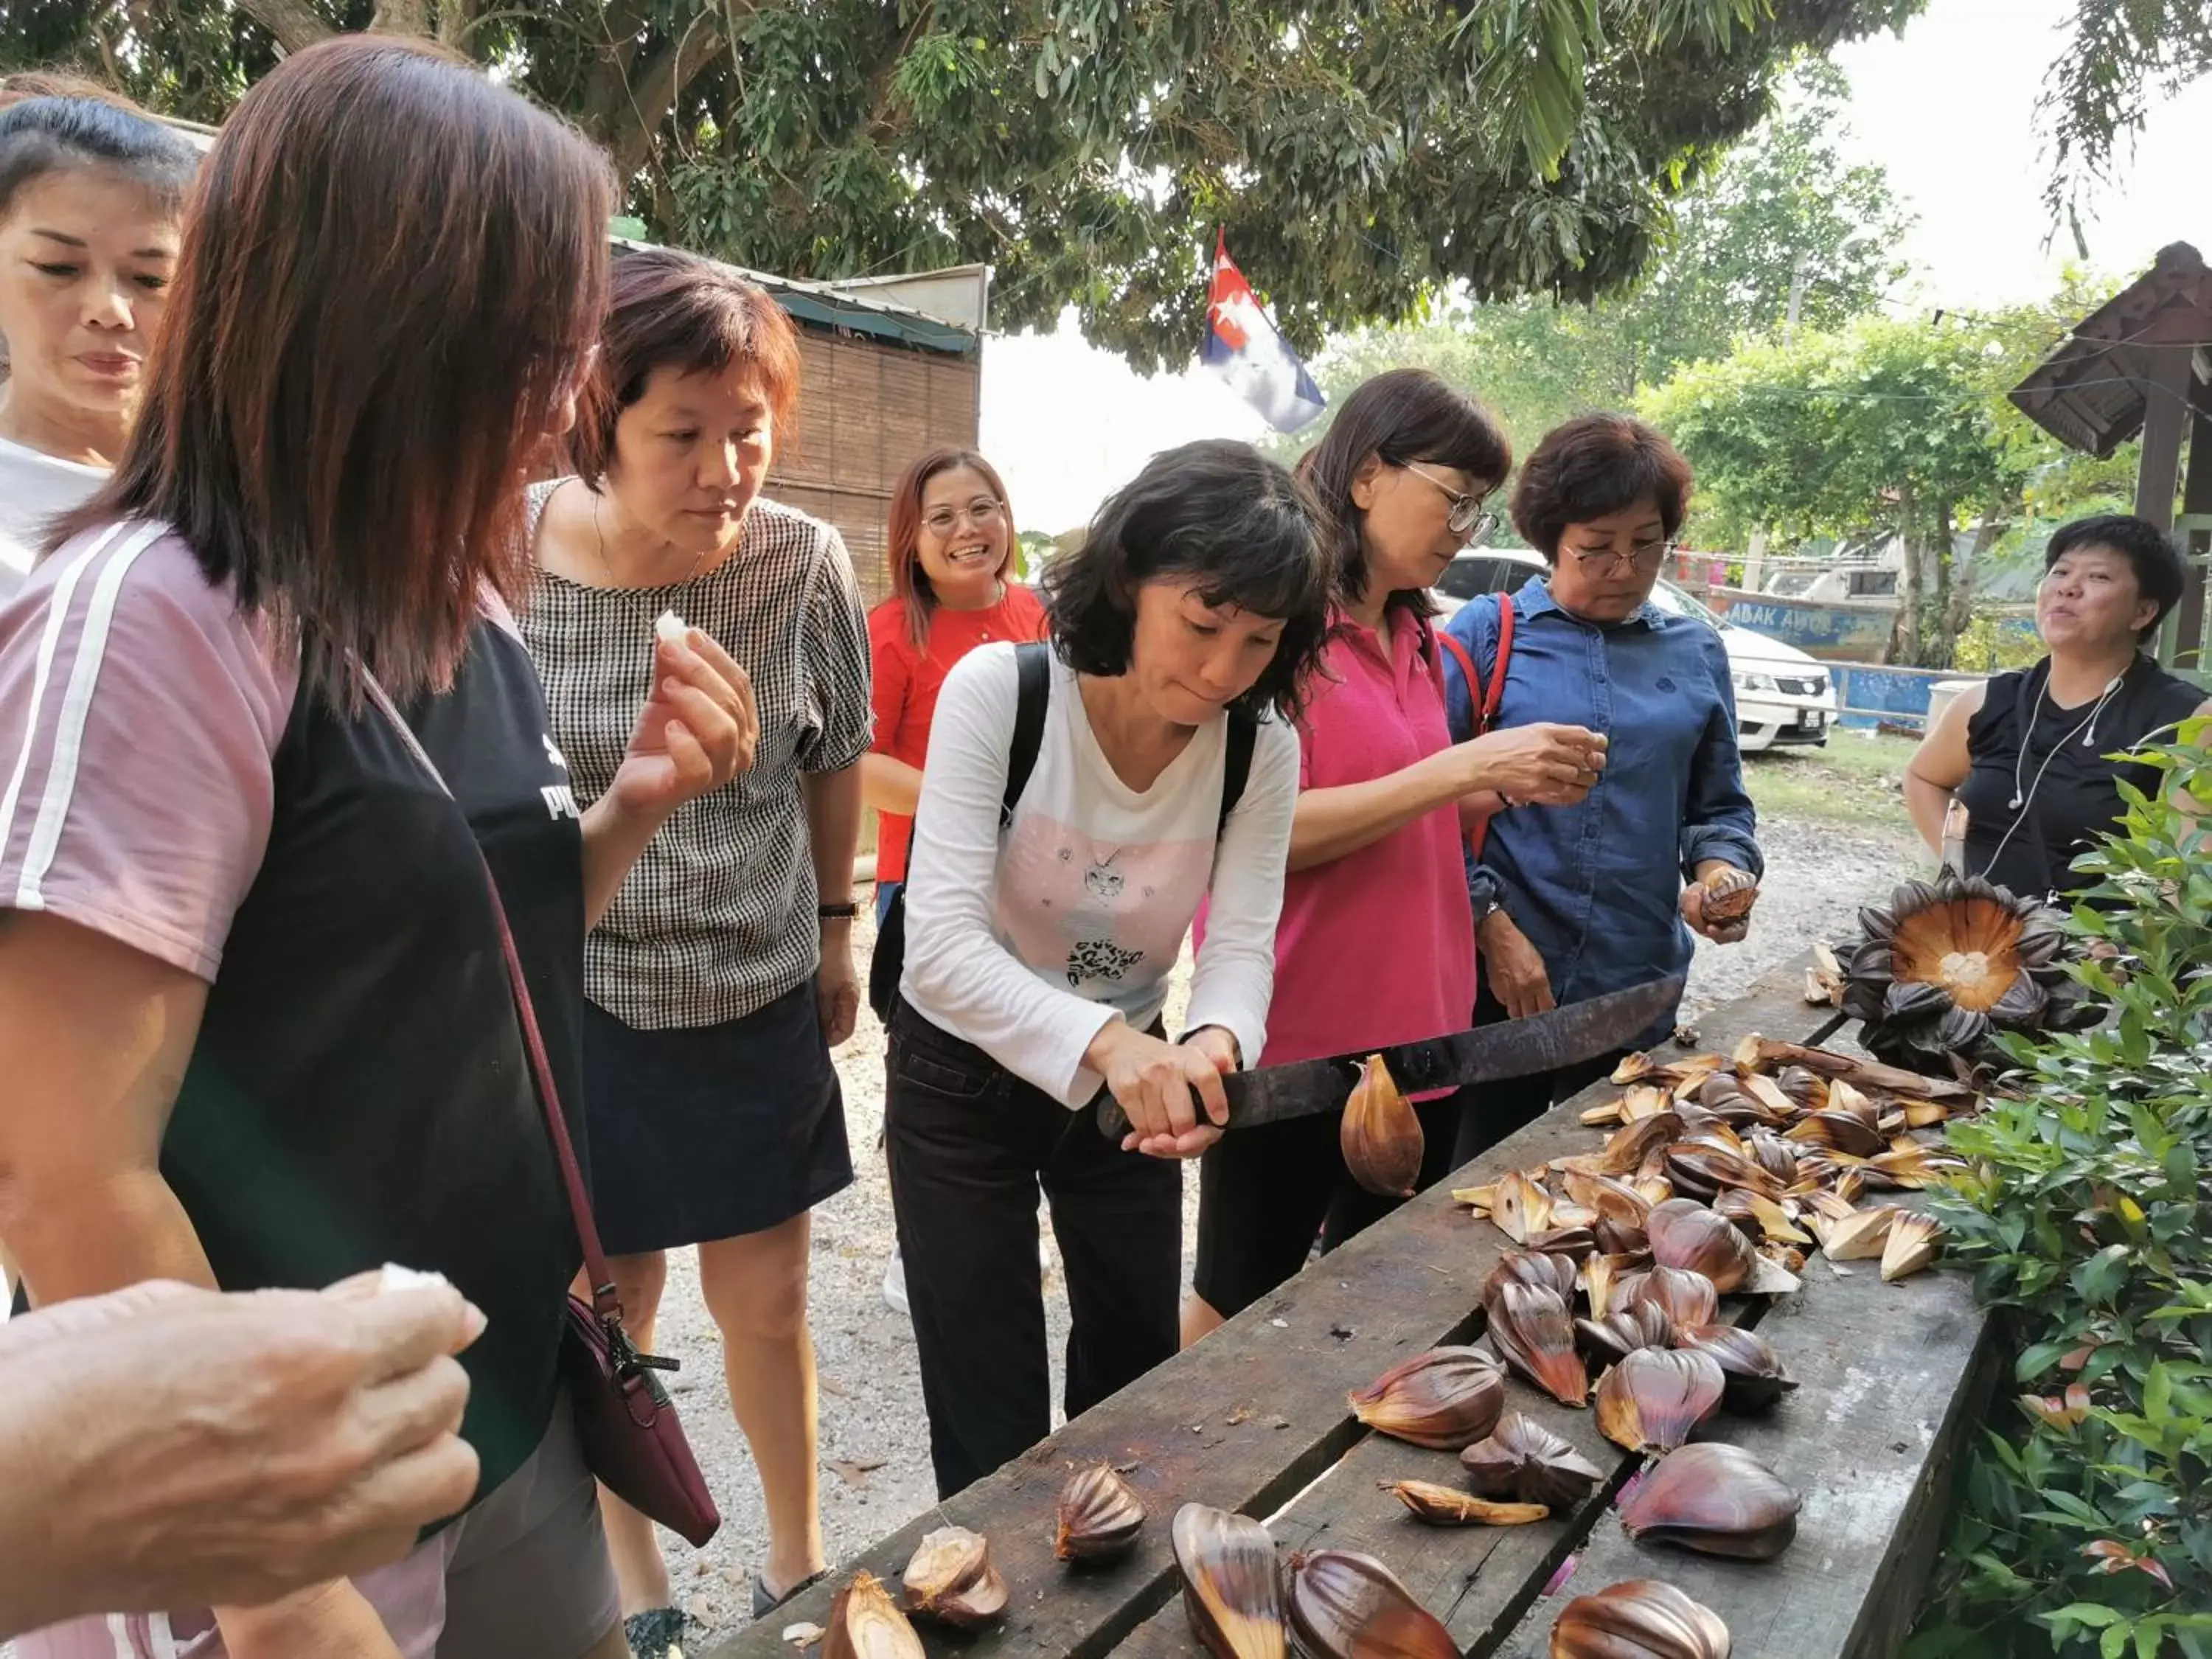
(1534, 599)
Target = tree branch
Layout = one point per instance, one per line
(296, 24)
(653, 94)
(401, 17)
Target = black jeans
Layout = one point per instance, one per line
(1495, 1110)
(969, 1144)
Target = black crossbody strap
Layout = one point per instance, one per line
(1235, 765)
(1033, 668)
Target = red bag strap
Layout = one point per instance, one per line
(1493, 694)
(604, 1304)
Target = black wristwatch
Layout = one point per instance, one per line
(844, 912)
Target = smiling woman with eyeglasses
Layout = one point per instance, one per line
(1376, 943)
(1573, 903)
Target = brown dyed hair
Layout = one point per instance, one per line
(910, 581)
(677, 311)
(1593, 466)
(392, 273)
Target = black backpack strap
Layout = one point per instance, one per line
(1033, 665)
(1235, 765)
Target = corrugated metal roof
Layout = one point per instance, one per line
(833, 307)
(2091, 393)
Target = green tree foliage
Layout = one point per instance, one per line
(1890, 427)
(1362, 154)
(1782, 205)
(2123, 58)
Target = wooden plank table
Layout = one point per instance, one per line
(1253, 1419)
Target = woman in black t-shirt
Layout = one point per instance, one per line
(253, 1013)
(2025, 757)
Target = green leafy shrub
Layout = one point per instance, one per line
(2085, 1514)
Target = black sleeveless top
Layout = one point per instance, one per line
(359, 1092)
(2078, 798)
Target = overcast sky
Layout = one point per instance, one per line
(1949, 109)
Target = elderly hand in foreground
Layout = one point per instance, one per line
(168, 1447)
(1718, 904)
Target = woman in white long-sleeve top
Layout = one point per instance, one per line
(1078, 802)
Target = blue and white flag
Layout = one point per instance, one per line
(1243, 345)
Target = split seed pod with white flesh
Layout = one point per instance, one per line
(1232, 1592)
(950, 1579)
(1640, 1619)
(865, 1623)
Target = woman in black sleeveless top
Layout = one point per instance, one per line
(253, 1005)
(2024, 757)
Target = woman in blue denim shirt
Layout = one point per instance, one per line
(1574, 902)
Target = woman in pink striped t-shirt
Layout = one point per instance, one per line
(1376, 943)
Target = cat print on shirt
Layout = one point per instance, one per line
(1094, 911)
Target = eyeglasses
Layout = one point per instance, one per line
(1466, 517)
(1643, 558)
(983, 513)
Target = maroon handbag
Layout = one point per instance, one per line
(632, 1439)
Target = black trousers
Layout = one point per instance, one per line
(1495, 1110)
(969, 1144)
(1263, 1193)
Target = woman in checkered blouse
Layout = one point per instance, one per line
(722, 976)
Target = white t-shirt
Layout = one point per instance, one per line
(34, 487)
(1026, 947)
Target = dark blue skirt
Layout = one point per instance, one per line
(714, 1131)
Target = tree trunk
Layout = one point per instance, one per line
(401, 17)
(1937, 638)
(296, 24)
(1905, 634)
(1967, 576)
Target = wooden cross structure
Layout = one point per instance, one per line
(2141, 362)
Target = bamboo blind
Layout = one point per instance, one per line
(865, 410)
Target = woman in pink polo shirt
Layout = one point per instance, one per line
(1373, 947)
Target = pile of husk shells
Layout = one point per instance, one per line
(1799, 1148)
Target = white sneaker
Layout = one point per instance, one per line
(895, 1284)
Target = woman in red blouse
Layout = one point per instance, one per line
(951, 548)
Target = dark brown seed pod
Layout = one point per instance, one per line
(1099, 1515)
(1444, 1398)
(1380, 1137)
(1608, 1341)
(1525, 1460)
(1639, 1619)
(950, 1579)
(1688, 1297)
(1447, 1506)
(1716, 1499)
(1635, 1141)
(1532, 1331)
(1686, 1234)
(1347, 1606)
(1539, 1268)
(1753, 1369)
(865, 1623)
(1655, 1396)
(1232, 1591)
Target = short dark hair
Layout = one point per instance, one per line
(2159, 573)
(49, 133)
(1593, 467)
(670, 309)
(1402, 415)
(1218, 514)
(392, 275)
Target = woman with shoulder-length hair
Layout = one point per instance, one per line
(950, 545)
(1574, 902)
(1078, 802)
(253, 1009)
(1383, 796)
(722, 974)
(2015, 778)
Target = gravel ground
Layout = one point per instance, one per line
(875, 1454)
